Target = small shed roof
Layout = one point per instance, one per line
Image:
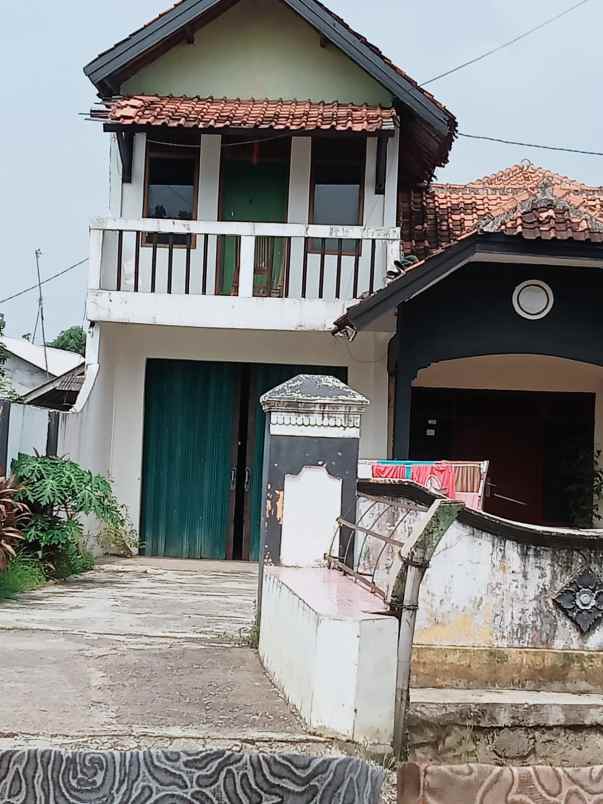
(59, 360)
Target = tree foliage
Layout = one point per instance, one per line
(72, 339)
(6, 388)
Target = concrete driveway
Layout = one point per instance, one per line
(141, 653)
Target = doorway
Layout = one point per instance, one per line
(255, 189)
(540, 447)
(203, 456)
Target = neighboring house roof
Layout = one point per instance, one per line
(437, 216)
(489, 216)
(217, 113)
(429, 122)
(59, 393)
(59, 360)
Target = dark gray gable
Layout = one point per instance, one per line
(443, 263)
(110, 63)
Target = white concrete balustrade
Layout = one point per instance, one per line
(233, 274)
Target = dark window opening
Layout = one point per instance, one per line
(171, 189)
(336, 193)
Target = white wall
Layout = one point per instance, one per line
(23, 376)
(28, 431)
(332, 658)
(112, 427)
(307, 530)
(379, 210)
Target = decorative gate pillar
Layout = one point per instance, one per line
(310, 468)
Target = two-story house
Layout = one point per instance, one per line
(257, 152)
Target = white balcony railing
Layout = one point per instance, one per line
(278, 260)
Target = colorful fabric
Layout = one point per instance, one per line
(71, 777)
(391, 471)
(438, 477)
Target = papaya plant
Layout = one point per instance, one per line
(58, 491)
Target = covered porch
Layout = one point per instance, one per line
(497, 356)
(275, 200)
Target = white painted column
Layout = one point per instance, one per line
(246, 266)
(390, 206)
(299, 204)
(209, 197)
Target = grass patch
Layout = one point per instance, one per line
(23, 574)
(71, 560)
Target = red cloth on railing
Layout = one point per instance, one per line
(389, 471)
(436, 477)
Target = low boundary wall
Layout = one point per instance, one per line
(330, 648)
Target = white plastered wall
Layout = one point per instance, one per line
(119, 389)
(379, 210)
(520, 373)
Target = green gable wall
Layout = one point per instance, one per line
(261, 49)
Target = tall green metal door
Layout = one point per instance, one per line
(264, 377)
(257, 194)
(190, 427)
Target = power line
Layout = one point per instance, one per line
(532, 145)
(506, 44)
(44, 281)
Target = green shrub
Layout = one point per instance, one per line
(23, 574)
(71, 560)
(58, 491)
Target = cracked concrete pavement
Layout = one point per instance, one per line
(137, 651)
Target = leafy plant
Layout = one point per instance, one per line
(14, 515)
(72, 339)
(586, 490)
(58, 491)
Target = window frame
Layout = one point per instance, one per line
(353, 251)
(170, 152)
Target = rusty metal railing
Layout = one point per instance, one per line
(380, 530)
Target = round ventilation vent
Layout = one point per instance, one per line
(533, 299)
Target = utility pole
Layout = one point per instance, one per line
(38, 254)
(416, 554)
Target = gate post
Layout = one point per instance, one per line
(310, 469)
(4, 430)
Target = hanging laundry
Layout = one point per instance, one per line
(438, 477)
(390, 471)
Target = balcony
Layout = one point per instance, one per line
(233, 275)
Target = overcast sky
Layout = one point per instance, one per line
(54, 170)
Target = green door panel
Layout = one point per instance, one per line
(257, 194)
(264, 377)
(190, 427)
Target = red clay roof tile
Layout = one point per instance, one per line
(204, 113)
(436, 217)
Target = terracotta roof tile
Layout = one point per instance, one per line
(436, 217)
(204, 113)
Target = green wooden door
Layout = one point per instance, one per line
(190, 427)
(257, 194)
(264, 377)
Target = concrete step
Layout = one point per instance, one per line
(516, 726)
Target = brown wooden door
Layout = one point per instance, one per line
(513, 443)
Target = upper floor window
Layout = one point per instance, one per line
(337, 181)
(171, 185)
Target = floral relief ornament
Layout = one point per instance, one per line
(582, 600)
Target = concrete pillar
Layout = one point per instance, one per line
(310, 468)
